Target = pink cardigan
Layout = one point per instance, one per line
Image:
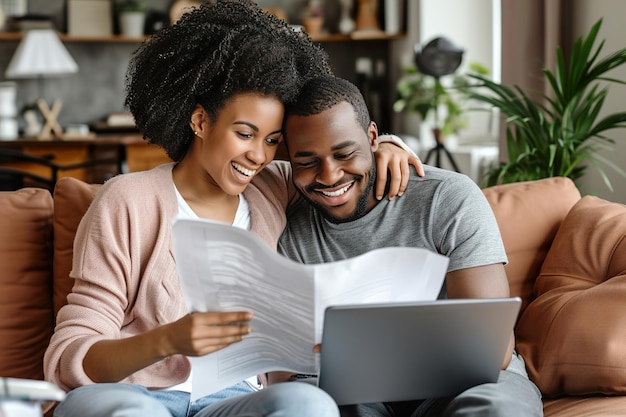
(124, 270)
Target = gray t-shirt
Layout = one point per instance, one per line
(443, 211)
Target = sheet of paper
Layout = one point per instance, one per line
(226, 268)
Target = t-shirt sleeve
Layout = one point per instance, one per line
(465, 228)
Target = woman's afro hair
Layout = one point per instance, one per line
(211, 54)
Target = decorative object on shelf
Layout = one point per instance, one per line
(392, 13)
(30, 21)
(367, 17)
(559, 135)
(30, 114)
(89, 18)
(179, 7)
(313, 18)
(346, 22)
(132, 17)
(8, 111)
(42, 54)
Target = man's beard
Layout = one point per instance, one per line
(361, 207)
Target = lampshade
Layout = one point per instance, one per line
(40, 53)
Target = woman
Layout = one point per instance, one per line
(209, 90)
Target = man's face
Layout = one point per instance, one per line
(332, 162)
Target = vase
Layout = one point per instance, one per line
(132, 24)
(366, 18)
(313, 25)
(8, 111)
(346, 23)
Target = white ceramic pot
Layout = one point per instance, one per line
(132, 24)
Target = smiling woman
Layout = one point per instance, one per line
(192, 91)
(210, 90)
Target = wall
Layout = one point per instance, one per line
(586, 13)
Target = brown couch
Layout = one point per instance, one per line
(567, 260)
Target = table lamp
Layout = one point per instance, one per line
(42, 54)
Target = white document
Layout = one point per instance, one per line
(224, 268)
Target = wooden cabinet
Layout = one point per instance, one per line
(142, 156)
(67, 155)
(100, 158)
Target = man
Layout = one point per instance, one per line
(330, 140)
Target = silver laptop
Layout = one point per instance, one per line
(398, 352)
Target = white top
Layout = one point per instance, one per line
(242, 220)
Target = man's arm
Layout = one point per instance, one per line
(487, 281)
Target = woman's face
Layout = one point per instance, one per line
(240, 142)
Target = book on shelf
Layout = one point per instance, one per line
(124, 119)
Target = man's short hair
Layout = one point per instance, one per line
(324, 92)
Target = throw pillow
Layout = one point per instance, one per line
(72, 198)
(25, 281)
(572, 334)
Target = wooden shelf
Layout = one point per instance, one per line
(365, 36)
(17, 36)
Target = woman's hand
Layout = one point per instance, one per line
(198, 334)
(195, 334)
(392, 159)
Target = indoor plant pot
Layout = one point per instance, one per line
(132, 18)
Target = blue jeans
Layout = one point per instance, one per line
(127, 400)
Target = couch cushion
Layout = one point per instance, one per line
(573, 334)
(25, 281)
(585, 406)
(529, 214)
(71, 200)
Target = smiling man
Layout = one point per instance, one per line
(345, 194)
(330, 140)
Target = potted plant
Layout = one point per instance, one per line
(132, 17)
(429, 98)
(560, 134)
